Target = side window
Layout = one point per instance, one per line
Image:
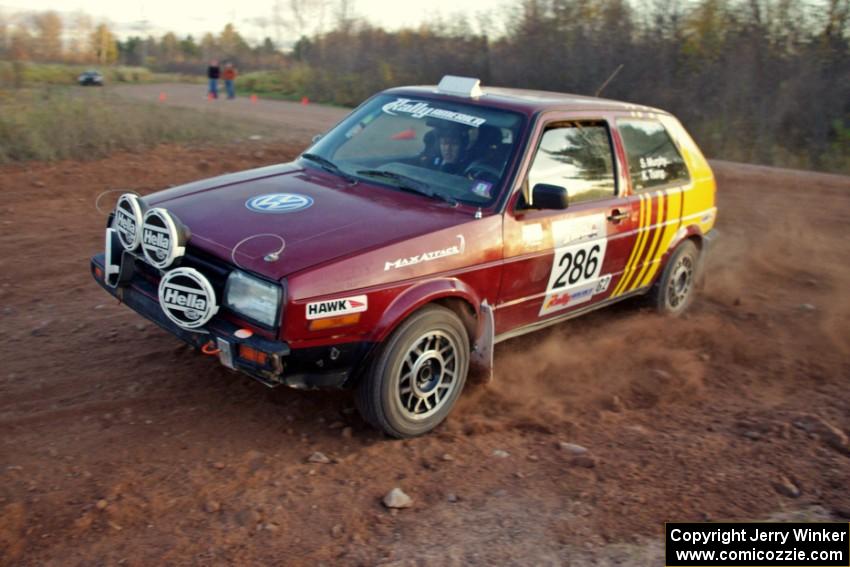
(577, 156)
(653, 159)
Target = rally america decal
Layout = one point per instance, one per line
(337, 307)
(427, 256)
(418, 109)
(576, 265)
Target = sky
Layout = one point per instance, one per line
(253, 18)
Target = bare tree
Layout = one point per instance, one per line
(48, 30)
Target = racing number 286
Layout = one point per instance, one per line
(577, 265)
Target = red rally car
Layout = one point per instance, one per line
(428, 225)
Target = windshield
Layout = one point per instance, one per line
(442, 149)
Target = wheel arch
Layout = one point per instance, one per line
(693, 233)
(450, 293)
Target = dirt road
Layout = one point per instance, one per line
(297, 121)
(120, 446)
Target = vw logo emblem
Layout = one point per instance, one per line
(279, 203)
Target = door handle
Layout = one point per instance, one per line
(616, 216)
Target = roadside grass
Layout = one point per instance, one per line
(23, 74)
(279, 85)
(52, 123)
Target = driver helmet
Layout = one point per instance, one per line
(452, 142)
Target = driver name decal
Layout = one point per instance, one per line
(423, 110)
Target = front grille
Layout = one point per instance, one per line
(214, 269)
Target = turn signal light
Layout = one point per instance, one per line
(98, 273)
(334, 322)
(253, 355)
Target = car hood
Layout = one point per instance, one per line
(342, 220)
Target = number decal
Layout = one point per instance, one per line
(575, 277)
(586, 264)
(578, 268)
(559, 283)
(591, 261)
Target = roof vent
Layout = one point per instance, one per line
(461, 86)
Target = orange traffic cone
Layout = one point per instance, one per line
(162, 97)
(210, 96)
(253, 98)
(305, 101)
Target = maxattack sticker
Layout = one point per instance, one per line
(417, 109)
(428, 256)
(337, 307)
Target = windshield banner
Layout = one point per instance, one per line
(423, 110)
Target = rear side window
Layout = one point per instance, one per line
(653, 159)
(577, 156)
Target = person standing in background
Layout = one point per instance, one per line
(213, 74)
(229, 75)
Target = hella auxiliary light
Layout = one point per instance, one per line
(252, 297)
(127, 221)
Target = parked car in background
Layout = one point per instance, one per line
(90, 78)
(428, 225)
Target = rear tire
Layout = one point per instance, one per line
(417, 375)
(675, 291)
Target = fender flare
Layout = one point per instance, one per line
(690, 232)
(684, 233)
(481, 340)
(421, 294)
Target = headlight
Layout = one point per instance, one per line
(254, 298)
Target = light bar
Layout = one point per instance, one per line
(461, 86)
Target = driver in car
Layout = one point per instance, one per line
(452, 156)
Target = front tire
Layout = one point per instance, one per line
(418, 374)
(675, 291)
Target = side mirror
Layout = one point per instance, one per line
(318, 137)
(545, 196)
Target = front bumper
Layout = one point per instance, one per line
(330, 366)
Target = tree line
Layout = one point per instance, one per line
(766, 81)
(49, 38)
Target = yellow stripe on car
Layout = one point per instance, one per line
(628, 268)
(671, 225)
(658, 229)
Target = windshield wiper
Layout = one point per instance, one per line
(408, 184)
(330, 166)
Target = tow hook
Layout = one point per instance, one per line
(210, 349)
